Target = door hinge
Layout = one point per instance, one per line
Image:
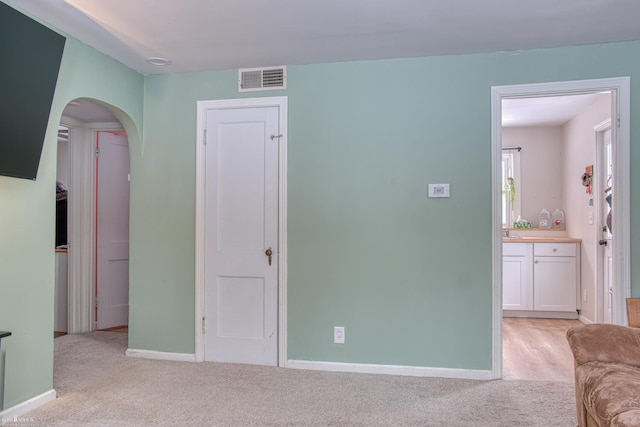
(203, 325)
(204, 137)
(95, 302)
(618, 120)
(97, 152)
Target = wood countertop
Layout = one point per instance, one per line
(539, 239)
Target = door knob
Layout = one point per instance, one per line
(269, 253)
(603, 242)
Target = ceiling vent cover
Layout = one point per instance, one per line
(251, 79)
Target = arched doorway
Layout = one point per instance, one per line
(98, 197)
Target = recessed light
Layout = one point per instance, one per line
(158, 61)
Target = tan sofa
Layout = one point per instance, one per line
(607, 374)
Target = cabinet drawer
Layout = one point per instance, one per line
(554, 249)
(514, 249)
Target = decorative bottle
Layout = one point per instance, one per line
(557, 219)
(544, 219)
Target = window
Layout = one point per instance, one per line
(510, 187)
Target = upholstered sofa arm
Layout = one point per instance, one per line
(605, 343)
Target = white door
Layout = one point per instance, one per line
(606, 254)
(112, 252)
(241, 229)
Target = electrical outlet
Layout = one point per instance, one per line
(338, 335)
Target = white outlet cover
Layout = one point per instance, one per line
(338, 335)
(439, 190)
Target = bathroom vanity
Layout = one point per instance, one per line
(541, 277)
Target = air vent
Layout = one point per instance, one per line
(251, 79)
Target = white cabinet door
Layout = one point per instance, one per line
(517, 276)
(517, 292)
(554, 283)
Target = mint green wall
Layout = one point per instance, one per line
(409, 277)
(368, 249)
(27, 226)
(162, 275)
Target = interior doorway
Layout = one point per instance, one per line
(619, 88)
(247, 304)
(84, 119)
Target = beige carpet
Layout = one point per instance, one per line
(98, 386)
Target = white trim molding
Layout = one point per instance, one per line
(621, 121)
(585, 320)
(82, 148)
(15, 413)
(160, 355)
(202, 107)
(410, 371)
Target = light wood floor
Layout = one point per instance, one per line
(536, 349)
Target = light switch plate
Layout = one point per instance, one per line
(439, 190)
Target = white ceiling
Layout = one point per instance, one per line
(544, 111)
(201, 35)
(85, 111)
(198, 35)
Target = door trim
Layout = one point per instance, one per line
(80, 231)
(601, 297)
(620, 88)
(202, 107)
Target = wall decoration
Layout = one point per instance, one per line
(587, 177)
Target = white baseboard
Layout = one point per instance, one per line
(161, 355)
(541, 314)
(585, 320)
(412, 371)
(15, 413)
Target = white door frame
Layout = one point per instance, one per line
(202, 107)
(620, 88)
